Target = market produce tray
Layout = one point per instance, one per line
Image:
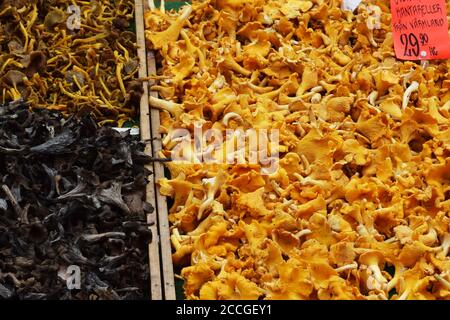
(160, 254)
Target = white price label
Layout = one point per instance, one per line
(350, 5)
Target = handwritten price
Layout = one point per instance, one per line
(412, 45)
(433, 51)
(423, 38)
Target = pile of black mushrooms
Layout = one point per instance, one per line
(72, 195)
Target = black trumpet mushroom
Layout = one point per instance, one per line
(72, 195)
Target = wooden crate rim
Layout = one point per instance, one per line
(160, 250)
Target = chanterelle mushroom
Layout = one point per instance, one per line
(373, 260)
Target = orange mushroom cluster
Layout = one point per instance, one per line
(359, 207)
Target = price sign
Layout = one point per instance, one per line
(420, 29)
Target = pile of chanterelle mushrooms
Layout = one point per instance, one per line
(359, 206)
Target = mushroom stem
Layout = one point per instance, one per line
(391, 240)
(377, 273)
(5, 10)
(317, 89)
(414, 86)
(190, 47)
(176, 244)
(444, 282)
(404, 295)
(25, 34)
(230, 116)
(372, 97)
(258, 89)
(173, 108)
(393, 282)
(445, 245)
(351, 266)
(213, 186)
(316, 98)
(429, 238)
(186, 12)
(309, 181)
(425, 63)
(303, 233)
(305, 163)
(276, 187)
(177, 234)
(231, 64)
(119, 78)
(16, 206)
(371, 39)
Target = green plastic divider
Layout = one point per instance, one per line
(171, 4)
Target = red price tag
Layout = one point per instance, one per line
(420, 29)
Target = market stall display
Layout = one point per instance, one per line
(68, 56)
(72, 194)
(280, 149)
(359, 205)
